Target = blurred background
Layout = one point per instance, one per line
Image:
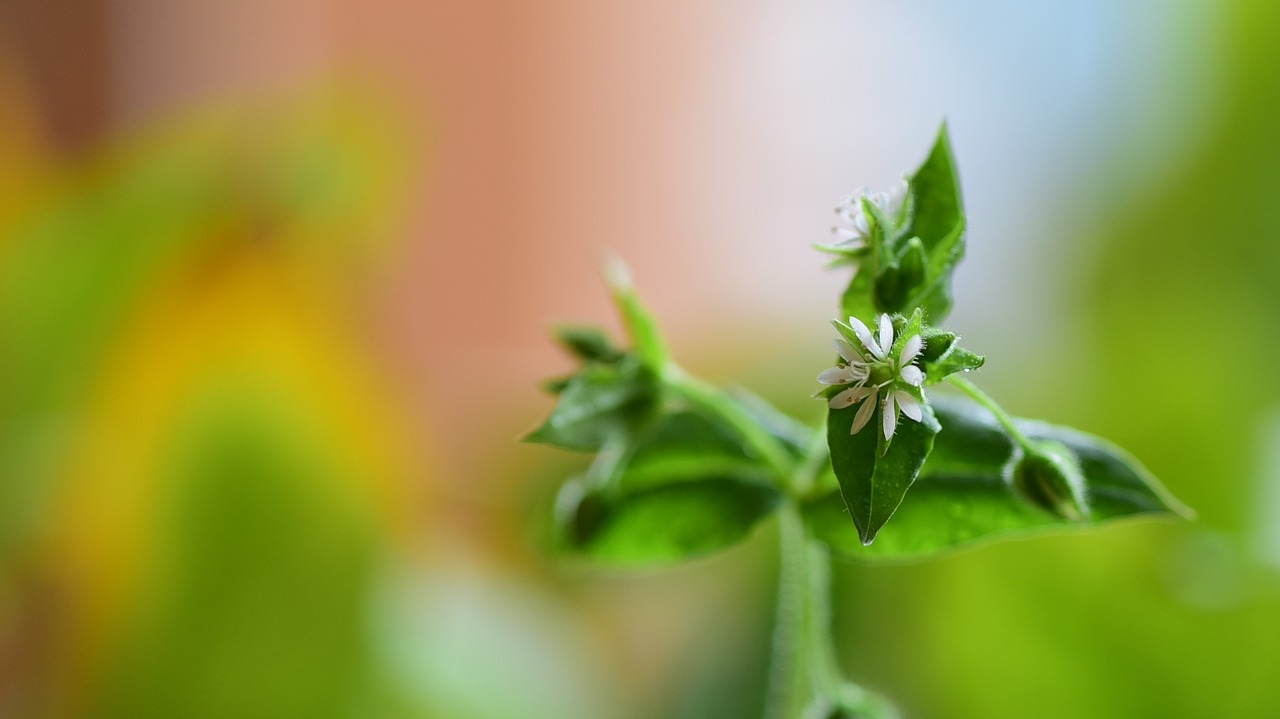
(275, 275)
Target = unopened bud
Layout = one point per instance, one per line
(1049, 476)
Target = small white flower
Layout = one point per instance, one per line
(892, 376)
(850, 212)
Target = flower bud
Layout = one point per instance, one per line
(1049, 476)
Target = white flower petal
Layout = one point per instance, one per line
(864, 336)
(912, 375)
(847, 351)
(848, 397)
(864, 414)
(835, 375)
(909, 405)
(886, 335)
(890, 416)
(910, 349)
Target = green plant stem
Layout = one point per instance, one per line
(825, 672)
(815, 460)
(803, 666)
(709, 398)
(804, 661)
(996, 410)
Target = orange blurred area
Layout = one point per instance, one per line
(275, 278)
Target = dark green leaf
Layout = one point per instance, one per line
(872, 482)
(966, 493)
(935, 191)
(599, 403)
(589, 344)
(663, 524)
(684, 446)
(938, 220)
(913, 263)
(933, 295)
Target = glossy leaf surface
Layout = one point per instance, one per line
(965, 491)
(662, 524)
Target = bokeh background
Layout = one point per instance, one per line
(274, 278)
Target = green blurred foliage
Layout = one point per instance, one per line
(254, 607)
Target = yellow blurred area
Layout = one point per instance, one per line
(244, 328)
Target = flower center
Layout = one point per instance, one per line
(879, 373)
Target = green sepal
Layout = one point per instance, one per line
(954, 359)
(966, 491)
(937, 343)
(599, 403)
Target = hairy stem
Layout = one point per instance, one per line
(804, 661)
(788, 691)
(996, 410)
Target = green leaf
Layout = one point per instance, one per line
(589, 344)
(966, 493)
(913, 262)
(938, 220)
(935, 192)
(858, 299)
(934, 294)
(874, 477)
(599, 403)
(663, 524)
(684, 446)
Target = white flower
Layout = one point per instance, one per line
(850, 211)
(893, 378)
